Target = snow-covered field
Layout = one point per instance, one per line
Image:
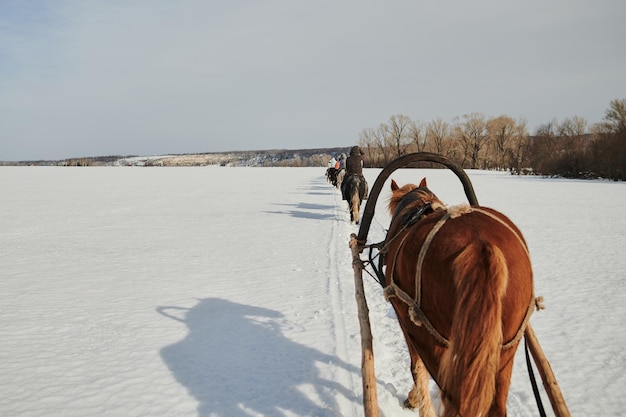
(229, 292)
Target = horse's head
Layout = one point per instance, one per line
(417, 196)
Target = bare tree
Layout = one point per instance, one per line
(381, 137)
(544, 146)
(367, 142)
(399, 133)
(417, 134)
(608, 151)
(547, 129)
(576, 126)
(438, 136)
(519, 149)
(471, 132)
(615, 116)
(501, 130)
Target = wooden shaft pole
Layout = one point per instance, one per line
(547, 376)
(370, 396)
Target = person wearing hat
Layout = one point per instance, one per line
(354, 163)
(354, 166)
(342, 161)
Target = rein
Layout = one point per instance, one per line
(533, 381)
(408, 220)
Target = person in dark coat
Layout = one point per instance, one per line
(354, 166)
(354, 163)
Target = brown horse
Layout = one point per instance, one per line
(461, 283)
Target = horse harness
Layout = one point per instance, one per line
(418, 317)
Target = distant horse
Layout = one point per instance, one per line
(461, 283)
(331, 175)
(334, 176)
(340, 176)
(354, 190)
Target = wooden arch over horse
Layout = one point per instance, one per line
(402, 162)
(422, 339)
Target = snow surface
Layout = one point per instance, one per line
(229, 292)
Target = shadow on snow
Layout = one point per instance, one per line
(236, 362)
(307, 211)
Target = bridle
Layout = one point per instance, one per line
(408, 220)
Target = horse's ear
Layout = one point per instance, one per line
(394, 186)
(423, 183)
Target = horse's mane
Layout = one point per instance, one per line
(411, 196)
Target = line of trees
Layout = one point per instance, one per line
(570, 148)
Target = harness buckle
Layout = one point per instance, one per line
(413, 217)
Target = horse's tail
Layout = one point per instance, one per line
(470, 365)
(355, 204)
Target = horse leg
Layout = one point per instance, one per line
(351, 211)
(355, 205)
(419, 396)
(349, 201)
(340, 178)
(503, 381)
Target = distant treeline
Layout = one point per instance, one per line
(569, 148)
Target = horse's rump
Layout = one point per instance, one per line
(331, 175)
(354, 185)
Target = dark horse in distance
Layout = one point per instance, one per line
(354, 189)
(461, 283)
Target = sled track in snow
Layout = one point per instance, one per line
(341, 292)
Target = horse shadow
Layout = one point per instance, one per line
(323, 189)
(236, 362)
(307, 211)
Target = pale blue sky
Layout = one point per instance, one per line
(147, 77)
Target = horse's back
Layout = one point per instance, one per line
(471, 225)
(355, 184)
(474, 228)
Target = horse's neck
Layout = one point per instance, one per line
(410, 199)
